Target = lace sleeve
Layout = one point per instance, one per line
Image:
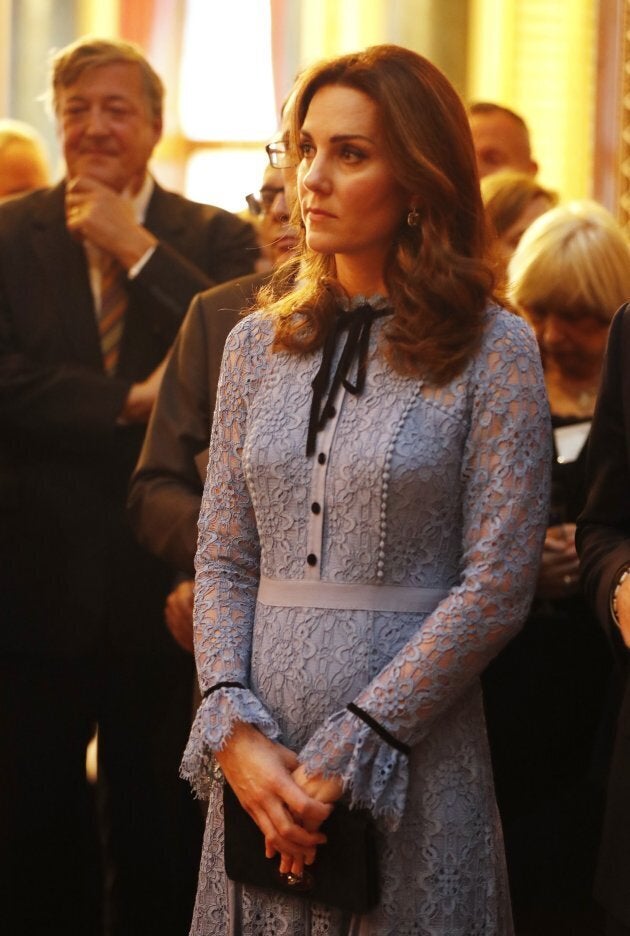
(505, 482)
(227, 566)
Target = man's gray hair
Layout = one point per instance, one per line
(69, 63)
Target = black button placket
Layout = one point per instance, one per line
(317, 498)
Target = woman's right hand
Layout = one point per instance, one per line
(259, 771)
(325, 790)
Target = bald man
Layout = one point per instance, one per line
(23, 163)
(501, 139)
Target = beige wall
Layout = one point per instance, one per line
(537, 56)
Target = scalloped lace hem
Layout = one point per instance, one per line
(374, 775)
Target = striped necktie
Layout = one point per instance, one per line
(112, 313)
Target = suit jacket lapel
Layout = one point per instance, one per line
(165, 215)
(65, 270)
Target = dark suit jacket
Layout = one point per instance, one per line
(165, 491)
(71, 575)
(603, 541)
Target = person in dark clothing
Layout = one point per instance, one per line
(166, 487)
(547, 694)
(95, 277)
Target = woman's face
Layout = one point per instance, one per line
(571, 341)
(351, 203)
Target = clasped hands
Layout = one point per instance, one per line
(286, 805)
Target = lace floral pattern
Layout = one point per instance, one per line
(430, 488)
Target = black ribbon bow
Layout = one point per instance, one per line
(358, 323)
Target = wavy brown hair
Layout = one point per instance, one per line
(436, 277)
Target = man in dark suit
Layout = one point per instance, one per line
(603, 542)
(165, 491)
(95, 277)
(166, 488)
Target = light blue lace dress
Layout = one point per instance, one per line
(426, 497)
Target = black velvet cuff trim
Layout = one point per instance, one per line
(382, 732)
(222, 685)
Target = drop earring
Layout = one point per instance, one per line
(413, 218)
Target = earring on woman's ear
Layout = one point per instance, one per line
(413, 218)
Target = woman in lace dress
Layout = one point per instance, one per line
(372, 521)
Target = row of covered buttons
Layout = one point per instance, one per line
(316, 508)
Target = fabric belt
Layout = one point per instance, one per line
(294, 593)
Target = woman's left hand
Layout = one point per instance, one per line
(323, 789)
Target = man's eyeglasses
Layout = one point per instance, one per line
(261, 203)
(279, 154)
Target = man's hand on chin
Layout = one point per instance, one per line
(105, 218)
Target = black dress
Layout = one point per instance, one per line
(547, 708)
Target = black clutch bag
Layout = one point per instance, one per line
(344, 873)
